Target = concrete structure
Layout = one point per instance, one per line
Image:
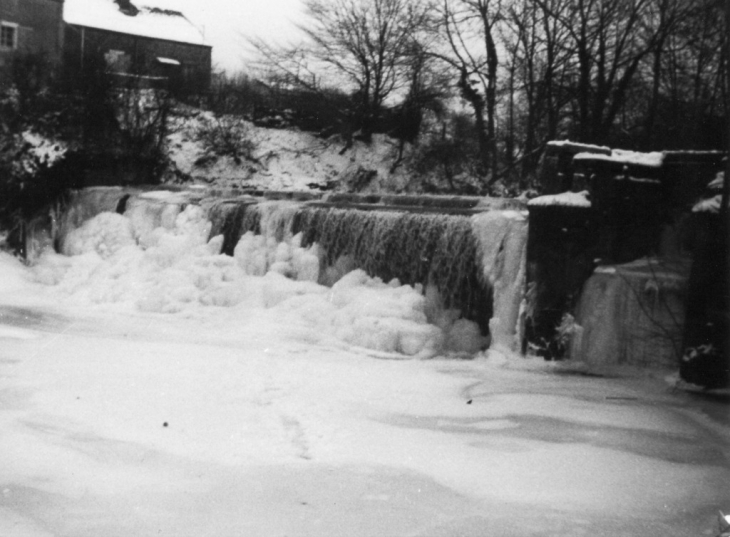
(144, 45)
(30, 27)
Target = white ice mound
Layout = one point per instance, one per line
(173, 268)
(384, 317)
(259, 254)
(104, 234)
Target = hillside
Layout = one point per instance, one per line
(234, 153)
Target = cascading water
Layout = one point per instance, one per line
(473, 265)
(469, 268)
(421, 249)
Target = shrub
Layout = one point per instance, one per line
(228, 136)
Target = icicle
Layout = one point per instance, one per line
(502, 239)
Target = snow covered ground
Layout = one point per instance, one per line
(286, 159)
(239, 415)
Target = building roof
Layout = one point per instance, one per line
(142, 18)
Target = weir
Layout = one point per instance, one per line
(602, 278)
(465, 254)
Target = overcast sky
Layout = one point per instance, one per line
(227, 21)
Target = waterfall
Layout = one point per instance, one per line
(469, 265)
(426, 249)
(231, 219)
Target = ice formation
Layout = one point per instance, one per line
(158, 258)
(632, 314)
(502, 238)
(165, 253)
(104, 234)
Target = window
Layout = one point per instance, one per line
(8, 35)
(117, 61)
(168, 61)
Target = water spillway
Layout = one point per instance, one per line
(600, 257)
(465, 255)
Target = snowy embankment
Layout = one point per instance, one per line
(283, 159)
(234, 421)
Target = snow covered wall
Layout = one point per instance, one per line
(416, 282)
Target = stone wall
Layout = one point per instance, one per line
(636, 231)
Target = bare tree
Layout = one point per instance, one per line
(365, 46)
(688, 77)
(369, 42)
(469, 29)
(609, 39)
(535, 43)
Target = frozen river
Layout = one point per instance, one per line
(238, 422)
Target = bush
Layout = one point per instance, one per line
(228, 136)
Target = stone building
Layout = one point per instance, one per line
(140, 44)
(143, 44)
(30, 26)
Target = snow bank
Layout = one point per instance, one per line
(13, 273)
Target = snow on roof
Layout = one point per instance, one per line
(566, 199)
(150, 21)
(653, 160)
